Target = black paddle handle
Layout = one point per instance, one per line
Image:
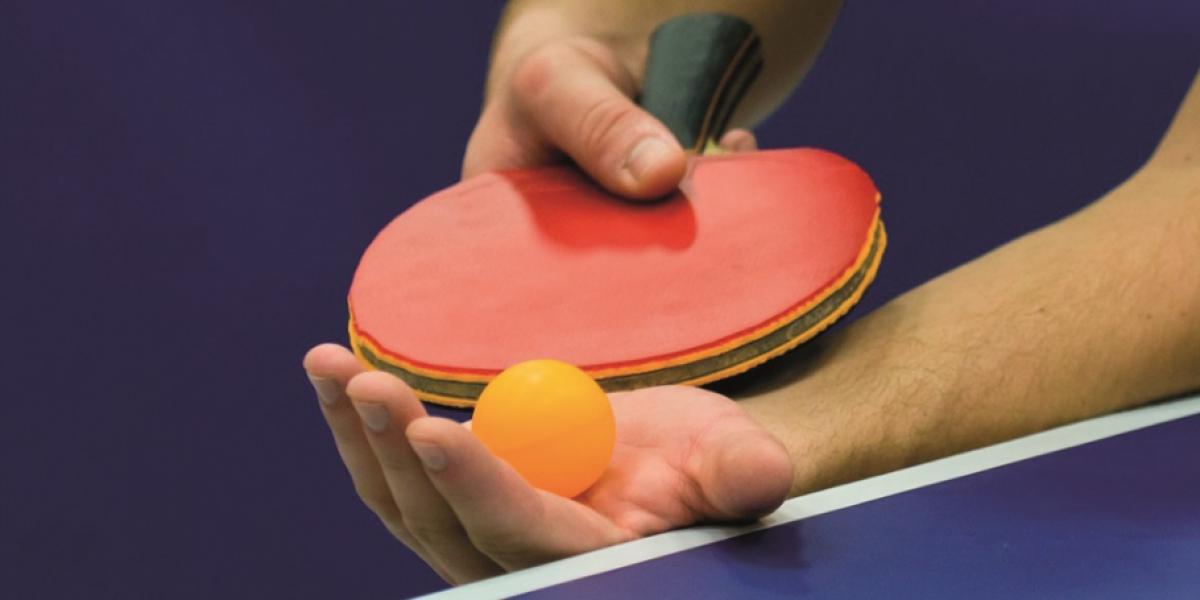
(698, 68)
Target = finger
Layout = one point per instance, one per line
(387, 406)
(743, 472)
(499, 142)
(330, 367)
(739, 140)
(514, 524)
(577, 97)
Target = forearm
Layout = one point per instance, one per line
(1095, 313)
(793, 33)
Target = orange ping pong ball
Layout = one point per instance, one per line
(551, 422)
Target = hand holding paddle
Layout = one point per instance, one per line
(574, 97)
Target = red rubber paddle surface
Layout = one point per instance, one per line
(540, 263)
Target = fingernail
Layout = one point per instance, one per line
(374, 416)
(432, 456)
(328, 390)
(646, 155)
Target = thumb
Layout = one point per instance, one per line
(577, 97)
(744, 474)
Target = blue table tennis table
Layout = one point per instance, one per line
(1108, 507)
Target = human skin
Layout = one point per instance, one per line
(1097, 312)
(562, 75)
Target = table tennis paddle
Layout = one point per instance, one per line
(755, 254)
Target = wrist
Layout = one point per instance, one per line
(874, 397)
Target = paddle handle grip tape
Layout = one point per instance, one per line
(698, 68)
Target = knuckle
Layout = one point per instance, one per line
(534, 73)
(508, 547)
(378, 500)
(425, 528)
(603, 121)
(400, 531)
(538, 69)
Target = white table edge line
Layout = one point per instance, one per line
(835, 498)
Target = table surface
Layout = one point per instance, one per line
(1104, 508)
(186, 189)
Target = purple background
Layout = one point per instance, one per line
(186, 187)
